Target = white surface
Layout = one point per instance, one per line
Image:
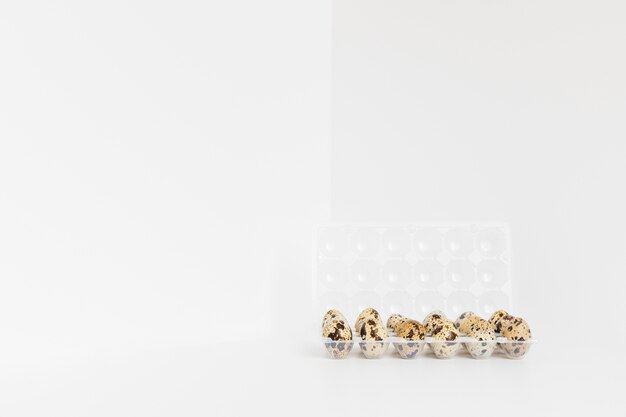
(239, 379)
(161, 166)
(149, 176)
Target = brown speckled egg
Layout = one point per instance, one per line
(516, 329)
(331, 314)
(518, 335)
(340, 335)
(373, 335)
(505, 320)
(462, 317)
(444, 344)
(432, 318)
(495, 319)
(436, 313)
(394, 320)
(368, 313)
(414, 333)
(468, 322)
(485, 335)
(400, 323)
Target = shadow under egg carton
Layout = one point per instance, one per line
(412, 268)
(407, 349)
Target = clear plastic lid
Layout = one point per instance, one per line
(412, 269)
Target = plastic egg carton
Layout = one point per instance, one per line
(412, 269)
(407, 349)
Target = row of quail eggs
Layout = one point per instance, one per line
(480, 335)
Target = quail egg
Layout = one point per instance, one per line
(432, 318)
(518, 335)
(444, 342)
(373, 335)
(485, 335)
(394, 320)
(505, 321)
(495, 319)
(459, 320)
(331, 314)
(367, 314)
(400, 323)
(438, 313)
(468, 322)
(340, 335)
(414, 334)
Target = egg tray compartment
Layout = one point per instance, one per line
(413, 268)
(407, 349)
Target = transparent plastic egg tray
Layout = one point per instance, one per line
(406, 349)
(411, 269)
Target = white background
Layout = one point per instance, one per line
(162, 165)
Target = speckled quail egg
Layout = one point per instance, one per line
(444, 343)
(518, 335)
(394, 320)
(495, 319)
(373, 335)
(331, 314)
(400, 323)
(432, 318)
(485, 335)
(367, 314)
(459, 320)
(468, 322)
(414, 334)
(340, 335)
(516, 329)
(435, 313)
(505, 320)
